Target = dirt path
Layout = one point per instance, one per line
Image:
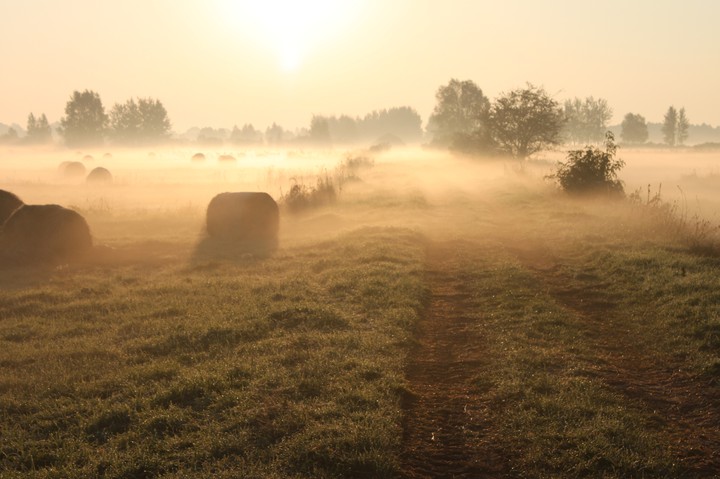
(446, 433)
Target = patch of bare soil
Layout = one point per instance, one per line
(685, 406)
(447, 430)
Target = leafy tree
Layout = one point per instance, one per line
(319, 130)
(38, 130)
(461, 111)
(343, 129)
(675, 126)
(591, 170)
(586, 120)
(140, 122)
(634, 129)
(525, 121)
(274, 134)
(247, 135)
(682, 127)
(10, 136)
(126, 122)
(669, 128)
(403, 122)
(85, 119)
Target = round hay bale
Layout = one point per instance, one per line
(88, 158)
(252, 216)
(8, 203)
(226, 159)
(107, 156)
(99, 176)
(198, 157)
(37, 233)
(72, 169)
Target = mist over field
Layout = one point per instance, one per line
(321, 239)
(166, 180)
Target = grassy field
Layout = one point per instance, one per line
(585, 333)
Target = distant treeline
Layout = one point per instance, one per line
(463, 120)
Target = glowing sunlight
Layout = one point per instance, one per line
(292, 29)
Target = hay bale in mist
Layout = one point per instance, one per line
(88, 158)
(40, 233)
(8, 203)
(99, 176)
(251, 216)
(107, 156)
(72, 169)
(198, 157)
(226, 159)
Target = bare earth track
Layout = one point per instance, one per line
(448, 431)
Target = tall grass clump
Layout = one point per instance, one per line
(673, 219)
(327, 188)
(302, 198)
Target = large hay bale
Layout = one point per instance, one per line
(99, 176)
(198, 157)
(37, 233)
(8, 203)
(252, 216)
(72, 169)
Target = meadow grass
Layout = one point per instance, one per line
(288, 366)
(150, 360)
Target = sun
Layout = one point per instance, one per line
(292, 29)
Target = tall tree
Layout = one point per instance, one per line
(669, 128)
(586, 121)
(247, 135)
(682, 127)
(38, 129)
(125, 122)
(274, 134)
(461, 110)
(634, 129)
(319, 130)
(403, 122)
(85, 119)
(525, 121)
(139, 123)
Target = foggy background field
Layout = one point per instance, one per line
(161, 194)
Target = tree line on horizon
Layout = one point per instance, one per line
(518, 123)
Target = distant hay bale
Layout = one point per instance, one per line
(107, 156)
(252, 216)
(8, 203)
(198, 157)
(99, 176)
(41, 233)
(88, 158)
(72, 169)
(226, 159)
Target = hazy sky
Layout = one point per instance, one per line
(221, 62)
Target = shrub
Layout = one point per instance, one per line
(591, 170)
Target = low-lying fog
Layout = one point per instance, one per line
(168, 180)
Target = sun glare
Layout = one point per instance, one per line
(292, 29)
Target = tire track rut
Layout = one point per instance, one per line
(447, 431)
